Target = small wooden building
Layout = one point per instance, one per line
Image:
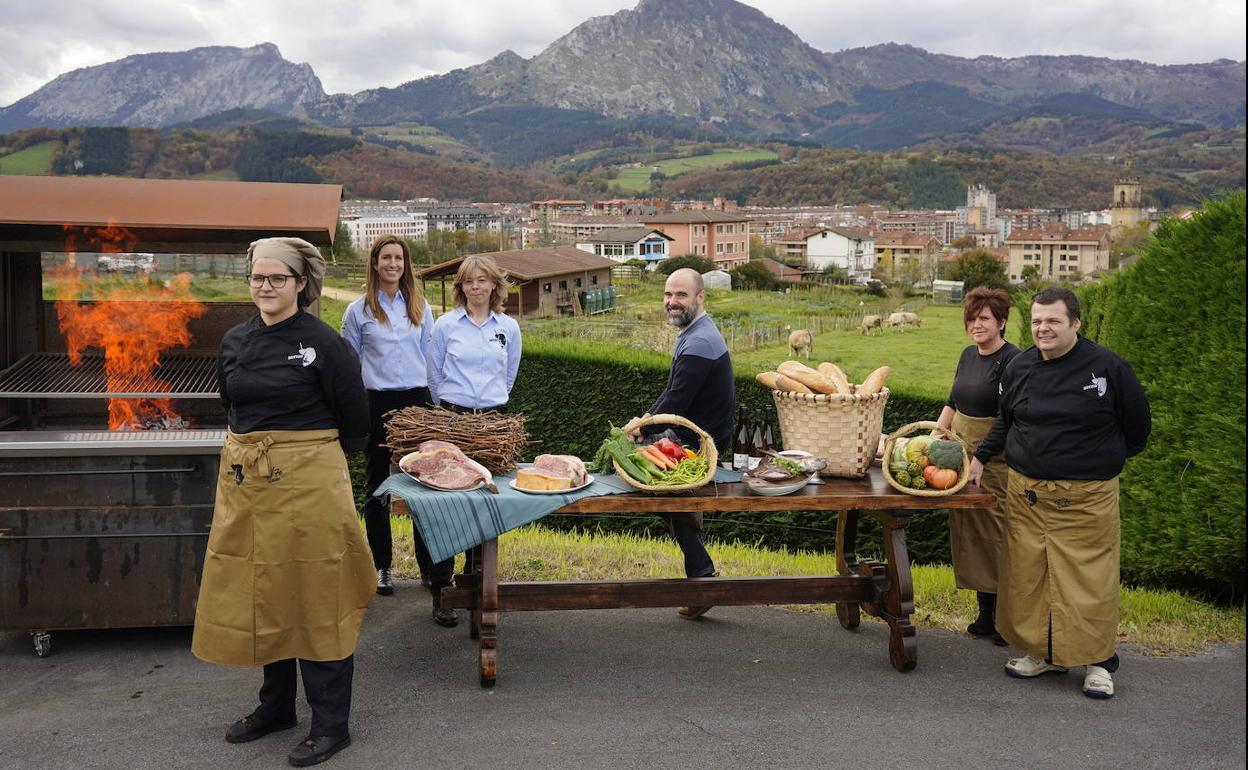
(544, 281)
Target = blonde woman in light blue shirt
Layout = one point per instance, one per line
(390, 328)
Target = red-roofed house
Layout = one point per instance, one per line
(725, 238)
(895, 249)
(543, 280)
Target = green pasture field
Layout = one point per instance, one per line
(32, 161)
(635, 180)
(415, 134)
(1155, 622)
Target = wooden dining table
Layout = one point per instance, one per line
(882, 588)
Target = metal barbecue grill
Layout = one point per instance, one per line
(101, 528)
(51, 375)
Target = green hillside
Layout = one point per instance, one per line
(637, 179)
(34, 160)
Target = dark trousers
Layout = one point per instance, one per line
(326, 685)
(377, 512)
(688, 535)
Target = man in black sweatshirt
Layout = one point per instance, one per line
(1071, 414)
(700, 389)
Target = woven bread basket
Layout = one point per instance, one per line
(843, 431)
(906, 430)
(706, 449)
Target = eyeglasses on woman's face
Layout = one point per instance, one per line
(277, 280)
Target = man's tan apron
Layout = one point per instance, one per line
(975, 535)
(288, 573)
(1059, 567)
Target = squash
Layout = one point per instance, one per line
(940, 478)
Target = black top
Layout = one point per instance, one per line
(1075, 417)
(297, 374)
(700, 385)
(975, 391)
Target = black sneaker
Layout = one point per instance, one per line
(385, 584)
(249, 728)
(314, 750)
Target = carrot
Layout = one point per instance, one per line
(657, 457)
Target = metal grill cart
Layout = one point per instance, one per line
(107, 528)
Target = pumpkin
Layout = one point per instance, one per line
(940, 478)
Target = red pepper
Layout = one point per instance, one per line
(670, 448)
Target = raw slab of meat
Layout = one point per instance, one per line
(567, 466)
(442, 464)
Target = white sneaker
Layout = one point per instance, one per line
(1097, 683)
(1027, 667)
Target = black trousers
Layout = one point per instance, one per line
(326, 685)
(377, 513)
(689, 537)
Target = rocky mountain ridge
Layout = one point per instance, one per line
(161, 89)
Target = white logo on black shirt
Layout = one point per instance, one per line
(307, 354)
(1098, 383)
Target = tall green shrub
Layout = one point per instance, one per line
(1177, 316)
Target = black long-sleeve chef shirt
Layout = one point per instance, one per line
(1079, 416)
(297, 374)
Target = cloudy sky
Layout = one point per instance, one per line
(353, 46)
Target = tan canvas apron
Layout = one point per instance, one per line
(1059, 562)
(288, 573)
(975, 535)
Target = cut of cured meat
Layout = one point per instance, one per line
(567, 466)
(442, 464)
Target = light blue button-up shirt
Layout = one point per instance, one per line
(392, 357)
(474, 366)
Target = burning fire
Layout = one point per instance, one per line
(132, 323)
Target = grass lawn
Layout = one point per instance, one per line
(635, 180)
(1155, 622)
(34, 160)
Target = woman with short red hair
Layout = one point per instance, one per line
(975, 535)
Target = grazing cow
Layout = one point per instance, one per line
(902, 320)
(802, 340)
(869, 322)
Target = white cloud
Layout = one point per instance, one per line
(353, 46)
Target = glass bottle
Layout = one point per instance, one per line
(741, 440)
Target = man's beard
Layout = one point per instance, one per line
(683, 318)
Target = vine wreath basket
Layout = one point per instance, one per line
(904, 431)
(706, 449)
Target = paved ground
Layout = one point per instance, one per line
(748, 687)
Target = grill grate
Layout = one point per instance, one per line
(50, 375)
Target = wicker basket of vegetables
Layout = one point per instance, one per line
(663, 474)
(926, 465)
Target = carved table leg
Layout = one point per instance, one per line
(898, 599)
(472, 567)
(847, 563)
(488, 607)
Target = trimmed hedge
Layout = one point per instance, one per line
(572, 391)
(1177, 315)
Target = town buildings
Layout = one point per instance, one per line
(623, 244)
(718, 235)
(1059, 253)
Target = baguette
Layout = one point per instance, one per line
(784, 382)
(874, 382)
(813, 380)
(793, 368)
(833, 374)
(767, 379)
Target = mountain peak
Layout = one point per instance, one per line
(161, 89)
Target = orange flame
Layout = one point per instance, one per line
(133, 323)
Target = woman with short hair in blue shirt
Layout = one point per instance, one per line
(389, 328)
(475, 352)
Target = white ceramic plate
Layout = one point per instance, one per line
(769, 486)
(488, 476)
(589, 480)
(774, 489)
